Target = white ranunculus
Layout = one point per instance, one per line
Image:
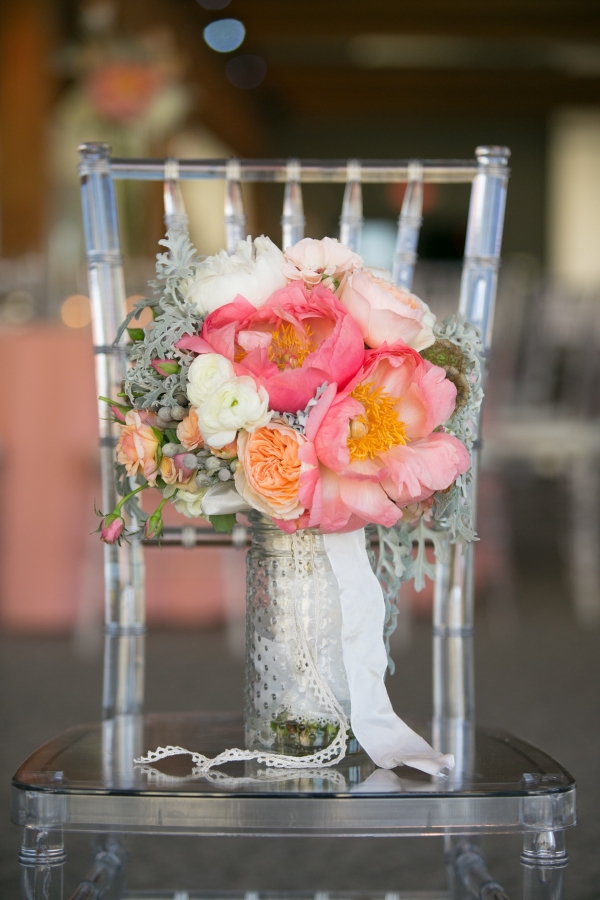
(254, 271)
(189, 500)
(206, 373)
(236, 404)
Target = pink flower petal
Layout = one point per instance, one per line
(369, 501)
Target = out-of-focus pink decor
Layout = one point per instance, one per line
(50, 565)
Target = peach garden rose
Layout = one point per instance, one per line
(269, 477)
(386, 313)
(137, 446)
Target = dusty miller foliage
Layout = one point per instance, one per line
(402, 548)
(174, 317)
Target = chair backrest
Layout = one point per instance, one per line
(124, 571)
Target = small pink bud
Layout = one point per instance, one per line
(112, 528)
(179, 465)
(117, 414)
(165, 367)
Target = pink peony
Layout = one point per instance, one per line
(386, 313)
(313, 261)
(375, 442)
(293, 344)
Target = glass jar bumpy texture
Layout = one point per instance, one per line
(292, 602)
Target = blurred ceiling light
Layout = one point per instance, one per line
(246, 71)
(416, 51)
(18, 307)
(224, 35)
(76, 311)
(214, 4)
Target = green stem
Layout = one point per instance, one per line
(142, 487)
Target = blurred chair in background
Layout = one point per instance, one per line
(549, 418)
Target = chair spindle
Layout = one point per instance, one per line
(175, 216)
(235, 218)
(453, 675)
(351, 220)
(409, 226)
(292, 220)
(124, 565)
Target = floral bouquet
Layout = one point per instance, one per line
(304, 386)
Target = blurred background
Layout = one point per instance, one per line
(306, 78)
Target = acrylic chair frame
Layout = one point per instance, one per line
(541, 813)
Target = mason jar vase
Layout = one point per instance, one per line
(292, 603)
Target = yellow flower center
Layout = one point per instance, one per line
(378, 428)
(288, 348)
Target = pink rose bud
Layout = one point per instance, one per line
(117, 414)
(165, 367)
(111, 529)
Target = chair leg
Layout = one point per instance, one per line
(42, 860)
(467, 872)
(106, 877)
(544, 859)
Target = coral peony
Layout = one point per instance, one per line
(376, 443)
(293, 344)
(270, 470)
(386, 313)
(313, 261)
(137, 445)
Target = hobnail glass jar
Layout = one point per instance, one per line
(291, 587)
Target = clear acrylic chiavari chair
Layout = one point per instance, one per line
(86, 780)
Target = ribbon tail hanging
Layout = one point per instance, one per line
(385, 737)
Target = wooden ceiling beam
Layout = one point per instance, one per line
(360, 92)
(561, 19)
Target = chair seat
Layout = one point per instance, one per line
(85, 780)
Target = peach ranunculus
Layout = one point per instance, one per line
(269, 476)
(295, 342)
(172, 470)
(137, 445)
(314, 261)
(188, 433)
(386, 313)
(376, 443)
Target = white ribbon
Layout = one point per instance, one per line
(386, 738)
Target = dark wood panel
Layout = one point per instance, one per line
(362, 92)
(295, 18)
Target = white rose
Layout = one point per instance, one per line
(206, 373)
(254, 271)
(236, 404)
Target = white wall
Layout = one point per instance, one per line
(574, 198)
